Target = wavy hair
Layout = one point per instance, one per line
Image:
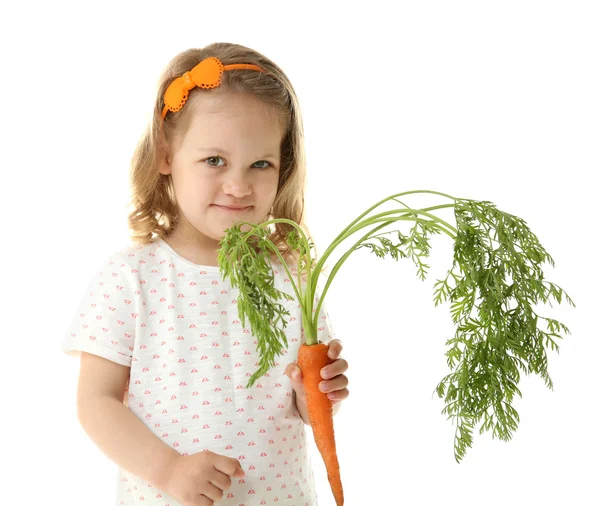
(153, 210)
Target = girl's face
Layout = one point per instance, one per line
(229, 156)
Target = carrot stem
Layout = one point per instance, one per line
(311, 359)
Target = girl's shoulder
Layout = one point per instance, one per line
(133, 257)
(132, 252)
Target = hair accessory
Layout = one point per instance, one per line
(207, 74)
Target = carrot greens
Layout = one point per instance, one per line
(497, 332)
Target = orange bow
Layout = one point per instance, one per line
(207, 74)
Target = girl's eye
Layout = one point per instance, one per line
(264, 161)
(219, 158)
(213, 158)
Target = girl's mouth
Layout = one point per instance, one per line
(233, 209)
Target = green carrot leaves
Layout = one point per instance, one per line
(487, 351)
(490, 345)
(249, 271)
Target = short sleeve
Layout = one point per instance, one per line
(105, 322)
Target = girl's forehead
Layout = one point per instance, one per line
(207, 102)
(216, 116)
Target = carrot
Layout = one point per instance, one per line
(311, 359)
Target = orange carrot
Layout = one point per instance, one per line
(311, 359)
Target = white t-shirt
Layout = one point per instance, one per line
(176, 325)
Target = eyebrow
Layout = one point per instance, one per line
(219, 150)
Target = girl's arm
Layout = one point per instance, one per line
(117, 431)
(125, 439)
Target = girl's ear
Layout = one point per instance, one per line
(164, 165)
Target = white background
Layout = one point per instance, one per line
(493, 101)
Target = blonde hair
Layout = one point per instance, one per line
(153, 208)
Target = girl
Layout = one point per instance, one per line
(164, 357)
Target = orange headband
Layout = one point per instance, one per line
(207, 74)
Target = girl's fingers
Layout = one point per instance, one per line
(338, 395)
(335, 368)
(335, 348)
(338, 383)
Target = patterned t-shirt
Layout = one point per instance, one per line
(176, 325)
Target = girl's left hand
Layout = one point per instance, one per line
(334, 382)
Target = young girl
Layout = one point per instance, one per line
(164, 356)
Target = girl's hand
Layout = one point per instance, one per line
(334, 381)
(201, 479)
